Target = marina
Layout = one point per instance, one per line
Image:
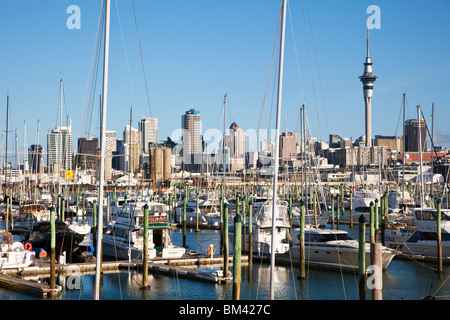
(227, 215)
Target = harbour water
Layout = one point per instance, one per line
(403, 280)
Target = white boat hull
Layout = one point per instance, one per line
(338, 255)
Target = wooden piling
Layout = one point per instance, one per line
(145, 251)
(302, 242)
(250, 231)
(225, 241)
(439, 237)
(52, 250)
(351, 208)
(377, 270)
(362, 257)
(372, 223)
(184, 216)
(332, 212)
(237, 257)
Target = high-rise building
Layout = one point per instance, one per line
(191, 136)
(59, 149)
(237, 141)
(111, 140)
(88, 151)
(288, 147)
(412, 135)
(149, 131)
(132, 147)
(35, 157)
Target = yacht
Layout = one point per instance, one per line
(191, 216)
(362, 199)
(400, 201)
(262, 229)
(29, 215)
(125, 237)
(15, 255)
(424, 241)
(333, 246)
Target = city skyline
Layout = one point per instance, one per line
(198, 55)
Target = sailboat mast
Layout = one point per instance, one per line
(420, 159)
(403, 156)
(102, 154)
(223, 144)
(277, 151)
(6, 146)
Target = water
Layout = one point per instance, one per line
(404, 279)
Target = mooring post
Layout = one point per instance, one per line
(250, 231)
(237, 257)
(145, 251)
(439, 237)
(225, 241)
(351, 208)
(332, 212)
(52, 251)
(362, 257)
(372, 223)
(302, 241)
(184, 216)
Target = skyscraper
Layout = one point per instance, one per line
(88, 151)
(288, 146)
(132, 147)
(191, 136)
(111, 140)
(59, 149)
(35, 156)
(149, 131)
(237, 141)
(368, 78)
(412, 135)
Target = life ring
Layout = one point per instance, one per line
(27, 246)
(209, 250)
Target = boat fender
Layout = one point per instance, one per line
(27, 246)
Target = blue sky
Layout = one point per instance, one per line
(195, 51)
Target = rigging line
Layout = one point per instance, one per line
(296, 54)
(94, 53)
(94, 80)
(317, 66)
(312, 75)
(125, 53)
(267, 82)
(142, 60)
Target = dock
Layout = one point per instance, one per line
(185, 267)
(35, 288)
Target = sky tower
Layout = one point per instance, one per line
(368, 78)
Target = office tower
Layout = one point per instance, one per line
(111, 140)
(59, 149)
(412, 135)
(191, 137)
(149, 131)
(132, 147)
(35, 156)
(288, 147)
(88, 153)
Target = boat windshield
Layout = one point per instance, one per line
(325, 237)
(429, 215)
